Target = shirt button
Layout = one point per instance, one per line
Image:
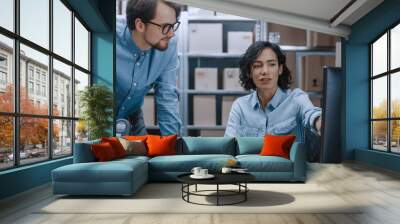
(129, 97)
(123, 108)
(134, 84)
(135, 55)
(138, 63)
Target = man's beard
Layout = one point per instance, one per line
(160, 47)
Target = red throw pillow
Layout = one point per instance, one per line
(116, 145)
(161, 145)
(277, 145)
(103, 152)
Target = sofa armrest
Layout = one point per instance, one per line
(298, 157)
(83, 152)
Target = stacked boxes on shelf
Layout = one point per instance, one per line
(205, 37)
(204, 110)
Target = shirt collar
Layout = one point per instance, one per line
(274, 103)
(276, 99)
(133, 48)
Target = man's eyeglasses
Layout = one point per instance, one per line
(165, 28)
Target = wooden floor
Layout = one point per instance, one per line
(378, 188)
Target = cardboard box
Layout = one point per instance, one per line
(313, 71)
(227, 102)
(231, 79)
(205, 38)
(206, 78)
(323, 40)
(212, 133)
(288, 35)
(238, 42)
(204, 110)
(149, 110)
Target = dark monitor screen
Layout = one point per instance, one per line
(327, 147)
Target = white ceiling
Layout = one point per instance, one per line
(306, 14)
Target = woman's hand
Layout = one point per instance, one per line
(317, 124)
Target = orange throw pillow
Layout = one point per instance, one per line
(277, 145)
(103, 152)
(161, 145)
(116, 145)
(135, 137)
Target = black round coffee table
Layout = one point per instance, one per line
(238, 179)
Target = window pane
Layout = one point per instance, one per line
(34, 72)
(395, 94)
(35, 21)
(395, 47)
(379, 100)
(6, 142)
(81, 81)
(379, 135)
(7, 14)
(62, 89)
(62, 137)
(395, 132)
(33, 139)
(62, 29)
(81, 45)
(6, 74)
(81, 131)
(379, 55)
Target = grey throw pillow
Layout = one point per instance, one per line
(135, 147)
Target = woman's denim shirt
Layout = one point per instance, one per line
(289, 111)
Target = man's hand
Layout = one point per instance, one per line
(317, 124)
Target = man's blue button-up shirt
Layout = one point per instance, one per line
(289, 111)
(139, 71)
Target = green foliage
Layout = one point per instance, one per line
(97, 104)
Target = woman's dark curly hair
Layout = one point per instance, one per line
(250, 57)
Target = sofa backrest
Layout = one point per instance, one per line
(249, 145)
(206, 145)
(83, 152)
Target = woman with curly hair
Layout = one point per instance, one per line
(272, 108)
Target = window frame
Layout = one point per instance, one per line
(16, 115)
(388, 74)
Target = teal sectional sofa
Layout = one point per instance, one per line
(125, 176)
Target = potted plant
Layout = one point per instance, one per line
(96, 102)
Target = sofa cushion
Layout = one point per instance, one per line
(257, 163)
(249, 145)
(207, 145)
(103, 152)
(116, 145)
(161, 145)
(134, 147)
(277, 145)
(185, 163)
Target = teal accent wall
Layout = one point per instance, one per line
(102, 58)
(357, 84)
(99, 16)
(24, 178)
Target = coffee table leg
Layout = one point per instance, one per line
(245, 191)
(217, 194)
